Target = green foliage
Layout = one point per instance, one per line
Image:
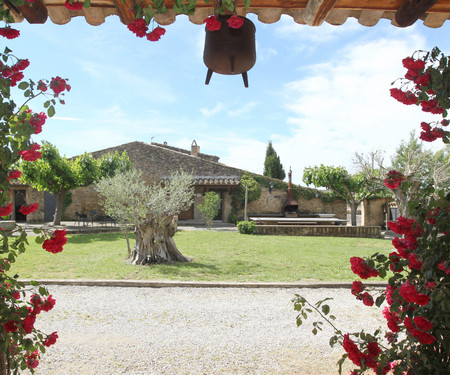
(233, 216)
(253, 190)
(246, 227)
(297, 190)
(210, 208)
(272, 165)
(59, 175)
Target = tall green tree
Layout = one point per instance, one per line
(272, 165)
(58, 175)
(352, 188)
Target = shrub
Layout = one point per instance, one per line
(246, 227)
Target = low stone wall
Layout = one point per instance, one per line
(320, 230)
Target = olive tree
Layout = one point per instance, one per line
(153, 210)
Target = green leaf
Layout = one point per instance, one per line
(51, 111)
(325, 309)
(7, 50)
(314, 331)
(23, 85)
(246, 4)
(87, 4)
(34, 283)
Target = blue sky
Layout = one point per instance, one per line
(320, 94)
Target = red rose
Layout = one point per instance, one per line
(407, 98)
(392, 320)
(9, 33)
(360, 267)
(394, 179)
(37, 120)
(42, 86)
(139, 27)
(28, 323)
(353, 352)
(14, 174)
(212, 23)
(58, 85)
(235, 22)
(357, 287)
(32, 154)
(26, 210)
(441, 266)
(422, 323)
(6, 210)
(51, 339)
(32, 359)
(56, 242)
(425, 338)
(11, 326)
(367, 299)
(76, 5)
(159, 31)
(373, 349)
(15, 295)
(49, 303)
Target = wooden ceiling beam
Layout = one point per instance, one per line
(124, 9)
(317, 10)
(35, 12)
(411, 11)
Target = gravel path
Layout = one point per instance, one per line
(192, 331)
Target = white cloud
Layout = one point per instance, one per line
(344, 106)
(66, 118)
(244, 109)
(219, 107)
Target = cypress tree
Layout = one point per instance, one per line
(272, 165)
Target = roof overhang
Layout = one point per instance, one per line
(433, 13)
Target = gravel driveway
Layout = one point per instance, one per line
(192, 331)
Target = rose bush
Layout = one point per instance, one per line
(416, 301)
(21, 344)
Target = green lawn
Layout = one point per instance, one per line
(216, 256)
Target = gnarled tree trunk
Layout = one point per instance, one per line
(155, 243)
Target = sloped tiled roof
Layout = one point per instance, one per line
(158, 163)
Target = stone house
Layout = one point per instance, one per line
(157, 162)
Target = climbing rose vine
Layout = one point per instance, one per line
(21, 344)
(426, 83)
(416, 301)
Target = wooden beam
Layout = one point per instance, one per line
(124, 10)
(317, 10)
(411, 11)
(35, 12)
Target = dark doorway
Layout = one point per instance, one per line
(19, 201)
(49, 206)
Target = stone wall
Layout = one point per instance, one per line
(273, 204)
(372, 212)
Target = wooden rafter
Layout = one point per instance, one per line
(317, 10)
(124, 9)
(35, 12)
(412, 10)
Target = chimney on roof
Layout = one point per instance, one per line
(195, 150)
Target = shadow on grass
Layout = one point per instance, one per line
(97, 237)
